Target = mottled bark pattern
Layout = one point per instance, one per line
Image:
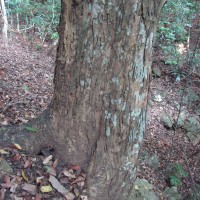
(102, 79)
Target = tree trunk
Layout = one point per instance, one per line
(102, 79)
(5, 23)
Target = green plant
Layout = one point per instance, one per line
(175, 173)
(174, 30)
(175, 181)
(38, 47)
(42, 18)
(29, 128)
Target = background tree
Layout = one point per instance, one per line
(5, 23)
(40, 18)
(102, 77)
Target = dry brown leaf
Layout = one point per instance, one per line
(14, 197)
(69, 196)
(69, 174)
(24, 176)
(13, 188)
(19, 179)
(76, 192)
(80, 181)
(38, 197)
(55, 163)
(2, 151)
(83, 197)
(2, 193)
(39, 179)
(75, 167)
(57, 185)
(6, 185)
(16, 157)
(4, 123)
(27, 163)
(2, 73)
(17, 146)
(29, 188)
(47, 159)
(7, 179)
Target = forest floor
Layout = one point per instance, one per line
(26, 88)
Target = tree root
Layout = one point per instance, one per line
(31, 141)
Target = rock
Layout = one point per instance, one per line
(156, 72)
(5, 167)
(194, 192)
(157, 97)
(172, 194)
(197, 111)
(166, 120)
(182, 118)
(153, 161)
(192, 128)
(143, 190)
(190, 98)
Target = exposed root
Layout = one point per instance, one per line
(31, 141)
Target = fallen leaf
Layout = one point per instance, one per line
(75, 167)
(29, 187)
(16, 157)
(19, 179)
(39, 179)
(14, 187)
(70, 196)
(69, 174)
(50, 170)
(27, 163)
(4, 123)
(6, 185)
(83, 197)
(24, 176)
(17, 146)
(38, 197)
(80, 181)
(22, 119)
(7, 179)
(55, 163)
(2, 73)
(47, 159)
(2, 193)
(57, 185)
(2, 151)
(12, 196)
(29, 128)
(76, 192)
(45, 189)
(136, 187)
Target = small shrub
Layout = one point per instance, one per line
(175, 172)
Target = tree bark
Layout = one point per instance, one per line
(5, 23)
(102, 79)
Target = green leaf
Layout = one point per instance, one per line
(175, 181)
(29, 128)
(25, 88)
